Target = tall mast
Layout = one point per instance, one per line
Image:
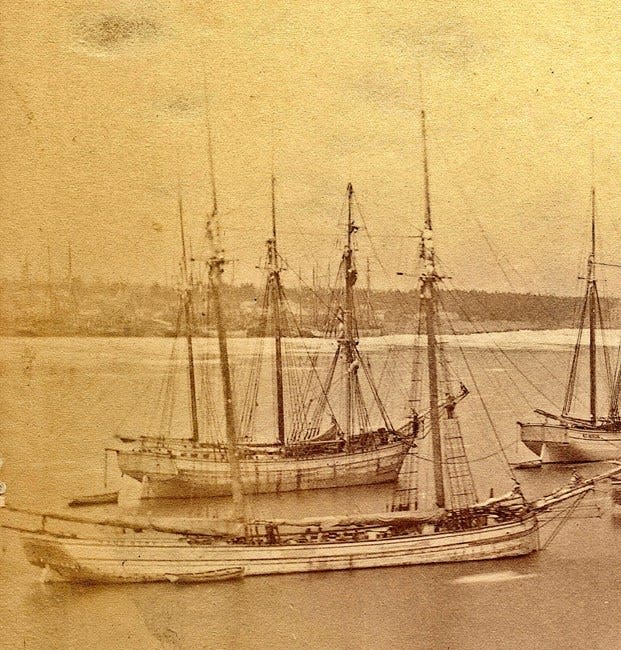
(300, 309)
(50, 289)
(25, 276)
(616, 394)
(70, 282)
(592, 293)
(69, 264)
(189, 324)
(350, 280)
(315, 289)
(216, 268)
(275, 293)
(428, 279)
(369, 310)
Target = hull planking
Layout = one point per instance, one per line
(149, 557)
(182, 474)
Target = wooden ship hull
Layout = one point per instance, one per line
(563, 443)
(153, 557)
(184, 472)
(215, 575)
(113, 550)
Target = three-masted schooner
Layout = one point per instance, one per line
(2, 487)
(324, 439)
(566, 437)
(457, 526)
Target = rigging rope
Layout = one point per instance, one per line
(563, 519)
(487, 413)
(529, 352)
(609, 376)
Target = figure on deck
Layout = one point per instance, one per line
(517, 489)
(576, 479)
(450, 406)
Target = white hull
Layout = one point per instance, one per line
(556, 443)
(151, 557)
(185, 473)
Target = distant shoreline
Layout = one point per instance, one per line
(114, 310)
(240, 334)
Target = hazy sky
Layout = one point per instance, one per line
(103, 110)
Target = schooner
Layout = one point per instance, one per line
(330, 431)
(454, 526)
(566, 437)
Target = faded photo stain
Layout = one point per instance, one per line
(108, 34)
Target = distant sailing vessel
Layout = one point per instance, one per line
(455, 527)
(324, 439)
(566, 438)
(2, 487)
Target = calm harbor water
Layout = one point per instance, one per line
(63, 399)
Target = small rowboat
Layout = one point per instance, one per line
(94, 499)
(217, 575)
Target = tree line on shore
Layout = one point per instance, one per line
(99, 308)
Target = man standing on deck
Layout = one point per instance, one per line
(450, 406)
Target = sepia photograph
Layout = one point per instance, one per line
(310, 325)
